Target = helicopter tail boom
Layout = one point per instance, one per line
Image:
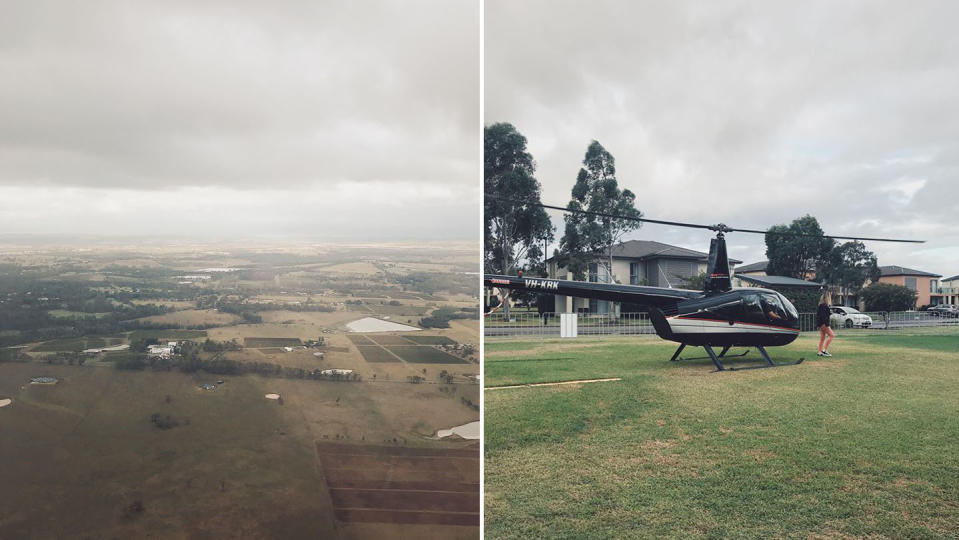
(648, 296)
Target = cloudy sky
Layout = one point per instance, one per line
(748, 113)
(323, 120)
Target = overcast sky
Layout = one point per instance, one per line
(748, 113)
(326, 120)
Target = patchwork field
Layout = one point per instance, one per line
(128, 444)
(393, 484)
(378, 348)
(861, 445)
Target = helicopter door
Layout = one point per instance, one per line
(730, 312)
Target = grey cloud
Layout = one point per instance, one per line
(240, 94)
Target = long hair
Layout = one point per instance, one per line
(826, 298)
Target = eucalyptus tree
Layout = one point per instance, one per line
(513, 228)
(589, 237)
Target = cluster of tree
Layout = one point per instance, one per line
(469, 403)
(447, 377)
(33, 322)
(166, 421)
(415, 379)
(515, 230)
(888, 297)
(219, 346)
(150, 325)
(441, 317)
(805, 253)
(430, 283)
(847, 265)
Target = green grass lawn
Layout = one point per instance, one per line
(862, 444)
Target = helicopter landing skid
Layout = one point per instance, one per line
(719, 365)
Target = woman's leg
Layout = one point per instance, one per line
(831, 335)
(822, 336)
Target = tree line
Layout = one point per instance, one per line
(517, 231)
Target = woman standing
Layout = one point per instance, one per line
(822, 322)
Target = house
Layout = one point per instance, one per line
(926, 284)
(636, 262)
(754, 269)
(160, 351)
(949, 288)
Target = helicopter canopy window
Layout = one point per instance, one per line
(753, 309)
(773, 307)
(790, 308)
(731, 311)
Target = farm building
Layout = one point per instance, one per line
(160, 351)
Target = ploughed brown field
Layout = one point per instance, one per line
(392, 484)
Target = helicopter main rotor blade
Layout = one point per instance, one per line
(718, 228)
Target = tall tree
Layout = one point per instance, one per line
(588, 236)
(512, 231)
(848, 265)
(797, 256)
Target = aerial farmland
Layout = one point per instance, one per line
(296, 391)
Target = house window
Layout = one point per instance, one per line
(911, 284)
(593, 272)
(933, 285)
(634, 273)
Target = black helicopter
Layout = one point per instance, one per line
(718, 316)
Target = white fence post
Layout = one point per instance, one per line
(568, 325)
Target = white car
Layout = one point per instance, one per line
(849, 317)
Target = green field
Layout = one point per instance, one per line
(376, 354)
(167, 334)
(865, 444)
(66, 344)
(76, 344)
(389, 339)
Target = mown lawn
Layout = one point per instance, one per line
(862, 444)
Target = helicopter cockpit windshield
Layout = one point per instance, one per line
(777, 308)
(769, 308)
